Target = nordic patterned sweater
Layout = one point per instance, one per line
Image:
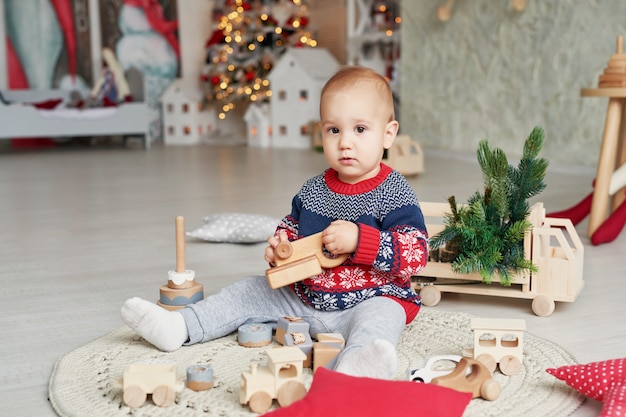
(392, 244)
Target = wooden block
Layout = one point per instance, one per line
(181, 297)
(324, 353)
(331, 338)
(200, 377)
(254, 335)
(304, 342)
(289, 324)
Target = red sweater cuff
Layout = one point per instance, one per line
(367, 249)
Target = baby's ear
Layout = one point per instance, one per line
(391, 130)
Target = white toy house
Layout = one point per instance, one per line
(258, 125)
(296, 81)
(185, 122)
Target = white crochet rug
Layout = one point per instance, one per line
(86, 381)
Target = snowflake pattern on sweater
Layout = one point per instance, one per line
(392, 246)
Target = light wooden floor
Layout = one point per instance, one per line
(82, 230)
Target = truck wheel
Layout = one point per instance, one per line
(163, 395)
(543, 306)
(260, 402)
(430, 295)
(290, 392)
(134, 396)
(510, 365)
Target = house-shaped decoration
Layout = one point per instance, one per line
(258, 127)
(296, 81)
(405, 156)
(185, 121)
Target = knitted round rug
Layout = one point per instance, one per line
(87, 381)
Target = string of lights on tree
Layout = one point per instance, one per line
(249, 38)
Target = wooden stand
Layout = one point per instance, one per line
(612, 150)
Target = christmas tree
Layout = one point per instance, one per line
(487, 233)
(249, 38)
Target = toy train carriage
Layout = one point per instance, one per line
(553, 245)
(498, 342)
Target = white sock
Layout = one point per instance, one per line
(163, 328)
(375, 360)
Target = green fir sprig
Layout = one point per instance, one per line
(488, 231)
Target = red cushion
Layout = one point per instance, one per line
(603, 381)
(335, 394)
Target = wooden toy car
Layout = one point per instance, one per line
(472, 376)
(158, 379)
(300, 259)
(435, 366)
(281, 379)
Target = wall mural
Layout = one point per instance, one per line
(49, 46)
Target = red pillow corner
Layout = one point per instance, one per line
(336, 394)
(604, 381)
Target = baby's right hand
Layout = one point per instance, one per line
(273, 241)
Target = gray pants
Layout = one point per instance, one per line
(251, 300)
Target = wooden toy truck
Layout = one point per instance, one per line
(281, 379)
(553, 245)
(300, 259)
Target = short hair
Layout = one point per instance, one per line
(351, 75)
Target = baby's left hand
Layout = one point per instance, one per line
(341, 237)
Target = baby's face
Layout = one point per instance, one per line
(355, 131)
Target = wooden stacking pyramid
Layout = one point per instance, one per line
(181, 288)
(615, 72)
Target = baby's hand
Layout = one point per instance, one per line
(341, 237)
(273, 241)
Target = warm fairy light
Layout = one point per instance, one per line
(382, 8)
(252, 41)
(398, 20)
(389, 32)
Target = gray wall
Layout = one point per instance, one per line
(493, 73)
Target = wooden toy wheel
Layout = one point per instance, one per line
(490, 389)
(163, 396)
(489, 361)
(543, 306)
(290, 392)
(260, 402)
(430, 295)
(510, 365)
(134, 396)
(283, 250)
